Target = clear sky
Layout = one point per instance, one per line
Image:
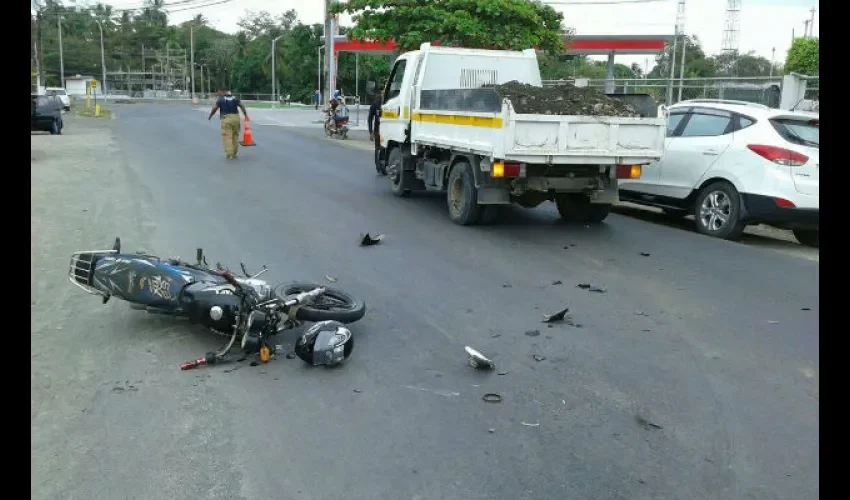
(764, 24)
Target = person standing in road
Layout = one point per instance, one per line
(229, 107)
(374, 122)
(317, 96)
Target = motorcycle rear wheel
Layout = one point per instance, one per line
(335, 304)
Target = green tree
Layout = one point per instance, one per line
(497, 24)
(803, 57)
(742, 65)
(696, 63)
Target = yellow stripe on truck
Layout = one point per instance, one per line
(460, 120)
(389, 115)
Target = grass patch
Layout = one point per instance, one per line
(89, 112)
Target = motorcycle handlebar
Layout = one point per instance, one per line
(230, 279)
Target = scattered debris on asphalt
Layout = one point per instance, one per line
(584, 286)
(358, 391)
(507, 285)
(491, 430)
(772, 322)
(496, 335)
(492, 397)
(231, 369)
(641, 313)
(645, 254)
(290, 355)
(556, 317)
(646, 424)
(539, 357)
(806, 309)
(597, 289)
(557, 282)
(369, 240)
(532, 333)
(646, 330)
(535, 424)
(478, 360)
(330, 278)
(503, 373)
(562, 100)
(255, 363)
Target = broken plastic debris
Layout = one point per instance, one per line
(369, 240)
(539, 357)
(558, 316)
(645, 254)
(535, 424)
(330, 278)
(584, 286)
(557, 282)
(492, 397)
(646, 424)
(478, 360)
(491, 430)
(596, 289)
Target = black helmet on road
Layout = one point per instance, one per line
(326, 343)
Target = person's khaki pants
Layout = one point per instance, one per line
(230, 126)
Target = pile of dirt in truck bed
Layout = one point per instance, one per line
(562, 100)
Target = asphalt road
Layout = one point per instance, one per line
(695, 376)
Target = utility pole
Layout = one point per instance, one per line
(806, 28)
(328, 48)
(680, 23)
(102, 58)
(61, 53)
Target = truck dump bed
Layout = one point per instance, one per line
(481, 121)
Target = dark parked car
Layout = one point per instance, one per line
(46, 114)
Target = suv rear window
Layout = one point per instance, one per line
(797, 131)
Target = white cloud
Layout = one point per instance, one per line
(764, 24)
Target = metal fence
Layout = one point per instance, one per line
(762, 90)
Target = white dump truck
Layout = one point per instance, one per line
(445, 127)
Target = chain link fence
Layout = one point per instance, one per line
(761, 90)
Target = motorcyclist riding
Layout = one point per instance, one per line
(338, 113)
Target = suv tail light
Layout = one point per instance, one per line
(780, 156)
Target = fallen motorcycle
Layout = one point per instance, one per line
(243, 308)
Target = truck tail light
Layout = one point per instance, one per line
(504, 170)
(628, 171)
(780, 156)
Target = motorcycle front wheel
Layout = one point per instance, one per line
(335, 304)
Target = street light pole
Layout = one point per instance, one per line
(772, 58)
(61, 52)
(274, 75)
(192, 52)
(102, 57)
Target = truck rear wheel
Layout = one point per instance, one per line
(578, 208)
(394, 173)
(462, 195)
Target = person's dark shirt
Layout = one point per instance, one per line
(374, 115)
(227, 105)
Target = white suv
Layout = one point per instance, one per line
(730, 164)
(61, 94)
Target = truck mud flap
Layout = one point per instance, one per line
(493, 196)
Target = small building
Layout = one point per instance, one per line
(76, 86)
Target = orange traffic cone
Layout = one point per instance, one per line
(247, 137)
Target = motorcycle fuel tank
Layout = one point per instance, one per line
(213, 306)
